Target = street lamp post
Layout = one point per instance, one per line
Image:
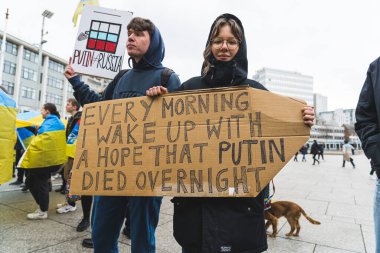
(45, 14)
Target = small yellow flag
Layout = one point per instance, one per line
(79, 9)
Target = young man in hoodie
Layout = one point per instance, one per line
(146, 50)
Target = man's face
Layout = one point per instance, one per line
(69, 107)
(138, 44)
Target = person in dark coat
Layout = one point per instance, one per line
(314, 150)
(209, 225)
(367, 127)
(303, 151)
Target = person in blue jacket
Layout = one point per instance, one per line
(146, 49)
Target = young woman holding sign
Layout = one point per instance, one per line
(209, 225)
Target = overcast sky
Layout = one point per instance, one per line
(332, 40)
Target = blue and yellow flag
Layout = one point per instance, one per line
(25, 135)
(79, 8)
(72, 141)
(48, 148)
(27, 119)
(8, 113)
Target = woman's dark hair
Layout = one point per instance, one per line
(236, 31)
(52, 109)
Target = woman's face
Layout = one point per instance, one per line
(44, 112)
(225, 45)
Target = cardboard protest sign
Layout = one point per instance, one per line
(101, 41)
(221, 142)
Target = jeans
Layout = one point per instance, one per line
(376, 215)
(108, 215)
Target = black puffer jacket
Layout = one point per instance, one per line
(368, 115)
(213, 225)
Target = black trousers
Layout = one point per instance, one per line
(38, 183)
(315, 159)
(86, 206)
(351, 160)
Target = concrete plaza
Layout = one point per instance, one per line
(340, 198)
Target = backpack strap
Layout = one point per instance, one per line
(120, 75)
(108, 92)
(165, 76)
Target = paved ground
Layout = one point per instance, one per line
(341, 198)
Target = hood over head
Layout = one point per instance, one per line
(229, 73)
(155, 54)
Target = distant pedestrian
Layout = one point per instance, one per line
(347, 153)
(303, 151)
(315, 151)
(295, 157)
(321, 150)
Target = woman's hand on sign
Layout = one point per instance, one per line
(308, 115)
(156, 90)
(69, 71)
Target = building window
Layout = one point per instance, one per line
(11, 48)
(29, 74)
(70, 89)
(10, 87)
(56, 66)
(30, 56)
(55, 82)
(27, 92)
(53, 98)
(9, 67)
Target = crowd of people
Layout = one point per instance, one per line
(205, 225)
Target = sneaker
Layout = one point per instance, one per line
(87, 243)
(83, 225)
(61, 205)
(37, 215)
(16, 183)
(66, 208)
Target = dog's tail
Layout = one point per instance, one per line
(312, 221)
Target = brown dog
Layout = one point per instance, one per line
(292, 213)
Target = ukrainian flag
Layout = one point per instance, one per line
(48, 148)
(80, 6)
(27, 119)
(31, 119)
(25, 135)
(7, 136)
(72, 141)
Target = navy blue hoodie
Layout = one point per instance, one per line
(144, 74)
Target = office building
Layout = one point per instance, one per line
(287, 83)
